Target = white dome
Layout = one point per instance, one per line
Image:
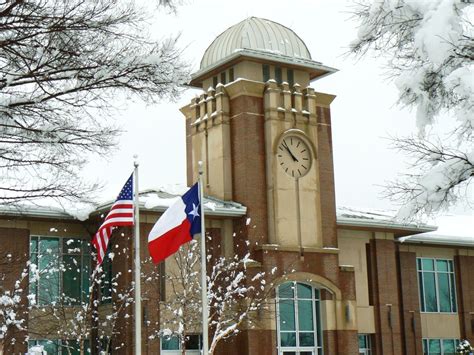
(255, 34)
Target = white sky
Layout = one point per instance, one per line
(364, 113)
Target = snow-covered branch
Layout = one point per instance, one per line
(62, 65)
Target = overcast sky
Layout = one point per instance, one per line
(364, 112)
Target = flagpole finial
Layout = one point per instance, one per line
(200, 170)
(135, 160)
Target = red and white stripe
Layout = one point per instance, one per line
(120, 215)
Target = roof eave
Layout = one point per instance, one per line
(316, 69)
(399, 228)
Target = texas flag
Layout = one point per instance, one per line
(176, 226)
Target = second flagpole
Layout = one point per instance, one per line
(138, 304)
(205, 311)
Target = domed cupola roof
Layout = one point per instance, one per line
(259, 40)
(255, 34)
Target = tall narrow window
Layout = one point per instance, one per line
(214, 81)
(231, 75)
(266, 72)
(436, 285)
(278, 76)
(223, 77)
(299, 320)
(290, 77)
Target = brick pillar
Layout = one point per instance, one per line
(326, 177)
(123, 262)
(249, 169)
(14, 254)
(465, 292)
(383, 273)
(410, 304)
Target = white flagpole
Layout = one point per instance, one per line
(138, 304)
(205, 311)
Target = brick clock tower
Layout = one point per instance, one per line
(264, 136)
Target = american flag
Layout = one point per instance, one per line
(121, 214)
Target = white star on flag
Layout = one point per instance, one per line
(194, 212)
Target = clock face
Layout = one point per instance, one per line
(294, 156)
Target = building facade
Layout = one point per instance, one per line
(346, 282)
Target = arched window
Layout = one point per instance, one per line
(299, 319)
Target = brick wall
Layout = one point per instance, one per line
(326, 177)
(465, 295)
(383, 276)
(14, 255)
(410, 304)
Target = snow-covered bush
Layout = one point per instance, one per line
(464, 347)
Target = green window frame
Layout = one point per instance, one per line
(64, 266)
(436, 284)
(299, 319)
(172, 345)
(440, 346)
(61, 347)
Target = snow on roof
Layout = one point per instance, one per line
(372, 218)
(452, 230)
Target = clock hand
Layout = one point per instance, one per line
(289, 151)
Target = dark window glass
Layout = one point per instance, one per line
(429, 286)
(278, 76)
(223, 81)
(290, 77)
(214, 81)
(266, 72)
(231, 75)
(193, 342)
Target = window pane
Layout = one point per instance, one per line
(50, 346)
(72, 279)
(231, 75)
(449, 347)
(288, 339)
(223, 81)
(430, 292)
(304, 291)
(290, 77)
(453, 294)
(48, 286)
(306, 353)
(287, 290)
(427, 264)
(266, 72)
(362, 342)
(443, 293)
(306, 339)
(450, 265)
(278, 75)
(289, 353)
(441, 265)
(192, 342)
(171, 343)
(34, 245)
(86, 262)
(434, 347)
(418, 264)
(425, 347)
(318, 323)
(71, 246)
(422, 291)
(70, 347)
(305, 315)
(287, 315)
